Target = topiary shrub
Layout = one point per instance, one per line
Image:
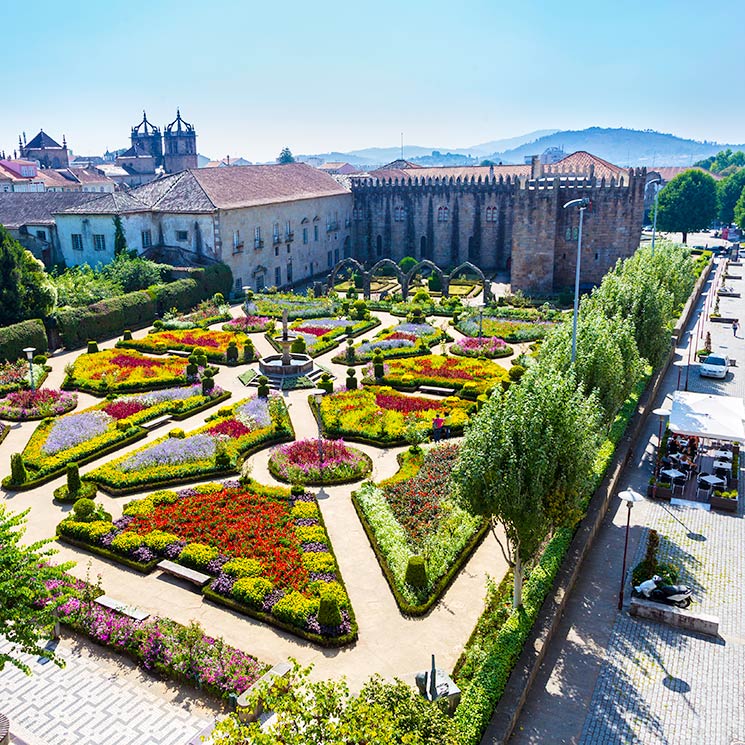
(248, 351)
(298, 345)
(516, 372)
(328, 608)
(73, 478)
(416, 572)
(92, 347)
(191, 372)
(297, 490)
(222, 458)
(83, 510)
(263, 386)
(177, 434)
(351, 379)
(325, 383)
(350, 351)
(208, 382)
(231, 353)
(18, 474)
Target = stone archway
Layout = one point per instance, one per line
(444, 278)
(357, 267)
(468, 266)
(387, 262)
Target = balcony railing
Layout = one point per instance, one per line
(332, 226)
(276, 238)
(289, 236)
(258, 243)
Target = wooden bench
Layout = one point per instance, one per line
(251, 714)
(436, 391)
(182, 572)
(123, 608)
(155, 423)
(179, 352)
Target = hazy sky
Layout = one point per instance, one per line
(319, 76)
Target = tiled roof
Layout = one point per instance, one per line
(398, 165)
(18, 209)
(179, 192)
(248, 186)
(462, 172)
(581, 161)
(112, 203)
(667, 173)
(55, 179)
(87, 175)
(42, 140)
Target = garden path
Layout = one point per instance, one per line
(389, 644)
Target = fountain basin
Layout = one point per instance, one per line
(299, 364)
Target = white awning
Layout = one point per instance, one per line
(708, 416)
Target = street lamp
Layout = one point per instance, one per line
(680, 364)
(582, 204)
(318, 397)
(661, 412)
(656, 181)
(629, 496)
(30, 356)
(246, 288)
(481, 319)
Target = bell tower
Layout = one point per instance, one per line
(180, 145)
(146, 140)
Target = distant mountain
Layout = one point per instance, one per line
(624, 147)
(509, 143)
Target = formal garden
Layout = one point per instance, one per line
(460, 424)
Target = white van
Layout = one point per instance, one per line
(714, 366)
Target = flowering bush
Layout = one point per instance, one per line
(233, 432)
(214, 343)
(79, 436)
(322, 334)
(412, 514)
(484, 346)
(116, 370)
(504, 328)
(297, 306)
(383, 415)
(472, 376)
(311, 462)
(248, 324)
(252, 539)
(402, 340)
(206, 313)
(37, 404)
(15, 375)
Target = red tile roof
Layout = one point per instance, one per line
(583, 161)
(462, 172)
(667, 173)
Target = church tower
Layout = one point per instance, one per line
(146, 140)
(180, 145)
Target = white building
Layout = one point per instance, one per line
(272, 225)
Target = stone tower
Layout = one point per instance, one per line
(47, 151)
(179, 145)
(146, 140)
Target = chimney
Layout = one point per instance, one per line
(536, 167)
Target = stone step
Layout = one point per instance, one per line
(673, 616)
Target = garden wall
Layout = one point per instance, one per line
(513, 699)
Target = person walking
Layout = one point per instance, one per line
(437, 428)
(735, 326)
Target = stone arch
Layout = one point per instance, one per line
(388, 262)
(468, 266)
(342, 264)
(425, 263)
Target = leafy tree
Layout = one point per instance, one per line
(729, 190)
(740, 211)
(407, 263)
(723, 160)
(286, 156)
(526, 459)
(325, 712)
(120, 241)
(25, 615)
(132, 274)
(687, 203)
(26, 290)
(81, 285)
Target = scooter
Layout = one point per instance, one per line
(653, 589)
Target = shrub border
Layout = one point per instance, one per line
(110, 555)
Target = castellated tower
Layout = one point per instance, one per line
(179, 145)
(146, 140)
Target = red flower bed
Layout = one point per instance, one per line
(314, 330)
(230, 427)
(451, 368)
(416, 501)
(125, 360)
(405, 404)
(237, 523)
(123, 409)
(402, 335)
(187, 339)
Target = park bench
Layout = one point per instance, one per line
(155, 423)
(179, 352)
(120, 607)
(436, 390)
(182, 572)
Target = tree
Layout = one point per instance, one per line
(25, 615)
(729, 191)
(407, 263)
(740, 211)
(26, 291)
(120, 240)
(723, 160)
(325, 712)
(286, 156)
(687, 203)
(526, 460)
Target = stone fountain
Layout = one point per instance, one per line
(286, 364)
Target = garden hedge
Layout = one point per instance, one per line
(14, 338)
(183, 294)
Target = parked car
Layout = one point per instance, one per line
(714, 366)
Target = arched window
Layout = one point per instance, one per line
(442, 214)
(445, 214)
(397, 214)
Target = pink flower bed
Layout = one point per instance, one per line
(36, 404)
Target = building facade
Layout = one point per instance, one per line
(45, 150)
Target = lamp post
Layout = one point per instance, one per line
(656, 182)
(481, 319)
(318, 397)
(629, 496)
(680, 364)
(661, 412)
(246, 288)
(30, 357)
(582, 204)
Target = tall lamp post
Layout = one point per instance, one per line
(481, 319)
(656, 181)
(630, 497)
(30, 357)
(582, 204)
(318, 397)
(661, 412)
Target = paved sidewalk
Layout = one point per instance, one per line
(609, 678)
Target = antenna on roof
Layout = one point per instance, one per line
(402, 145)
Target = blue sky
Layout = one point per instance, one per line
(320, 76)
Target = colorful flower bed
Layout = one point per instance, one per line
(402, 340)
(206, 313)
(14, 376)
(121, 370)
(383, 416)
(504, 328)
(214, 343)
(484, 346)
(470, 377)
(268, 551)
(412, 515)
(218, 447)
(322, 334)
(83, 436)
(297, 306)
(159, 645)
(249, 324)
(20, 406)
(308, 462)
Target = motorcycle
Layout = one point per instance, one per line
(654, 589)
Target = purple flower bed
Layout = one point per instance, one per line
(384, 344)
(255, 413)
(172, 451)
(179, 393)
(74, 429)
(487, 346)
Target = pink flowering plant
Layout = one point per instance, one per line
(23, 405)
(319, 462)
(402, 340)
(15, 376)
(481, 346)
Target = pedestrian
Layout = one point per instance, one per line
(735, 326)
(437, 428)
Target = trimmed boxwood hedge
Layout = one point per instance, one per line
(14, 338)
